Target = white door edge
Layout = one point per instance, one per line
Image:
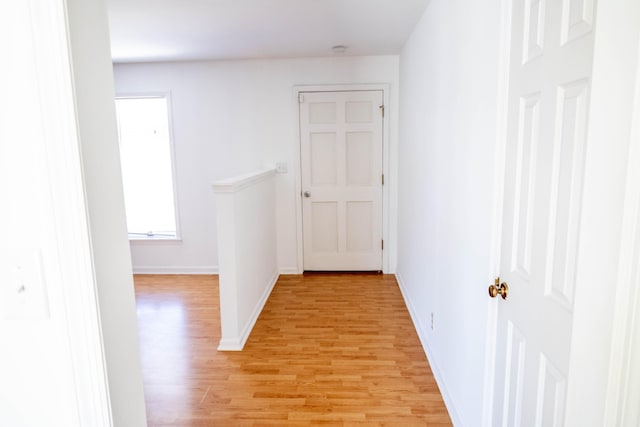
(388, 234)
(502, 86)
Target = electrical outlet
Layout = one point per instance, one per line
(433, 322)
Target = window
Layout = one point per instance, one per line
(147, 173)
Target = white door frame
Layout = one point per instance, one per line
(616, 25)
(623, 392)
(71, 270)
(387, 234)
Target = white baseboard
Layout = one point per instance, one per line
(174, 269)
(237, 343)
(437, 373)
(289, 270)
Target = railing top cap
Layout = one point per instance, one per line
(236, 183)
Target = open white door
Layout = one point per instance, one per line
(550, 65)
(341, 170)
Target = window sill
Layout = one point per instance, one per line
(133, 239)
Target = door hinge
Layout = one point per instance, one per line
(382, 110)
(382, 244)
(382, 179)
(300, 98)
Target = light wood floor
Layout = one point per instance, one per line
(330, 349)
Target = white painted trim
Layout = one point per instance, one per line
(289, 271)
(387, 234)
(148, 239)
(622, 391)
(298, 180)
(389, 179)
(600, 271)
(175, 269)
(174, 169)
(52, 54)
(237, 183)
(437, 372)
(498, 202)
(237, 344)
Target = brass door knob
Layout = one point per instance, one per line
(498, 288)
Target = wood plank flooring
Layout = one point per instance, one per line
(328, 349)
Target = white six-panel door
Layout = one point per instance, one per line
(341, 175)
(551, 55)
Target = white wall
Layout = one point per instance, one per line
(230, 118)
(448, 76)
(94, 92)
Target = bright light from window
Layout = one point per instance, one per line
(145, 152)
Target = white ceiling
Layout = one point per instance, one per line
(178, 30)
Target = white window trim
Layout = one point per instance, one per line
(167, 96)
